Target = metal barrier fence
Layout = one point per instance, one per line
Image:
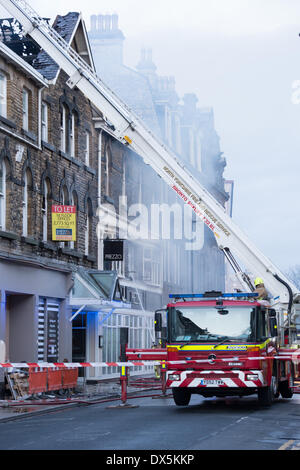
(51, 379)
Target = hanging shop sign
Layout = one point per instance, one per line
(113, 250)
(63, 223)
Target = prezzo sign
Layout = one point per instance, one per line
(63, 223)
(113, 250)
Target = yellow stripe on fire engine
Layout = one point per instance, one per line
(222, 347)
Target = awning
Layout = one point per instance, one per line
(96, 291)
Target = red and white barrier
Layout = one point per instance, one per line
(295, 357)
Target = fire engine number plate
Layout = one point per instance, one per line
(211, 382)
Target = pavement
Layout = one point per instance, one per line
(85, 393)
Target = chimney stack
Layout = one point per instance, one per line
(106, 39)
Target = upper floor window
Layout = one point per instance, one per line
(64, 130)
(106, 172)
(27, 204)
(2, 195)
(192, 146)
(199, 152)
(151, 266)
(3, 95)
(88, 229)
(25, 109)
(72, 136)
(74, 202)
(87, 148)
(46, 210)
(44, 122)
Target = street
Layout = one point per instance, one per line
(157, 424)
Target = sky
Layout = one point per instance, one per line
(242, 58)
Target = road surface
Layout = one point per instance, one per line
(157, 424)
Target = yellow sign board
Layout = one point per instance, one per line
(63, 223)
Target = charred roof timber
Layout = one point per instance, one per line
(12, 35)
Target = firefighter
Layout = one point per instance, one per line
(260, 289)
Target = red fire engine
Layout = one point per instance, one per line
(223, 345)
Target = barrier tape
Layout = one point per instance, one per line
(68, 365)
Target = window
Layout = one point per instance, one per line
(64, 130)
(2, 195)
(87, 148)
(151, 266)
(106, 173)
(44, 122)
(46, 208)
(27, 204)
(3, 95)
(199, 152)
(25, 110)
(168, 126)
(192, 146)
(88, 228)
(72, 136)
(74, 202)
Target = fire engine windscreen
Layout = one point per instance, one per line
(203, 324)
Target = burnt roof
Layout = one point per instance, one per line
(11, 33)
(64, 25)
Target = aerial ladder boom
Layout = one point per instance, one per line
(130, 130)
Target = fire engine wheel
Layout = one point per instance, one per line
(285, 388)
(266, 395)
(181, 396)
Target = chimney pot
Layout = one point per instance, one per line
(100, 23)
(107, 22)
(115, 21)
(93, 23)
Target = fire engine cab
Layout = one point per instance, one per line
(223, 345)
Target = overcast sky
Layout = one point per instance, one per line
(241, 57)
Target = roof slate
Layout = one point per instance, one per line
(64, 25)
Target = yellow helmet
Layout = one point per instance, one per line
(258, 281)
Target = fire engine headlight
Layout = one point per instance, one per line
(252, 377)
(174, 377)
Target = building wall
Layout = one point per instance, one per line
(33, 268)
(189, 131)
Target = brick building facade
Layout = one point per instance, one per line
(49, 155)
(55, 148)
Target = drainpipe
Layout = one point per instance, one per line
(100, 260)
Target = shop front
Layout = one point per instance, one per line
(99, 313)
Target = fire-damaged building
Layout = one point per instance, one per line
(67, 299)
